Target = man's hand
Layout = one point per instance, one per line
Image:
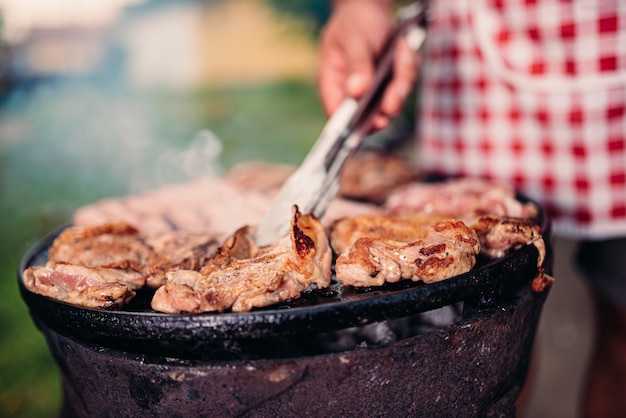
(350, 41)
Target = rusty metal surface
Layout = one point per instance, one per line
(473, 368)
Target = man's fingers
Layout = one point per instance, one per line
(359, 56)
(346, 65)
(380, 122)
(405, 70)
(330, 85)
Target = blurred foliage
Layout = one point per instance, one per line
(314, 12)
(4, 61)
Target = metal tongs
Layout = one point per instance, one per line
(316, 182)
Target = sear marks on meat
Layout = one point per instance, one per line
(500, 235)
(502, 222)
(103, 266)
(542, 282)
(345, 232)
(243, 276)
(497, 236)
(121, 246)
(178, 251)
(104, 262)
(459, 197)
(377, 250)
(112, 245)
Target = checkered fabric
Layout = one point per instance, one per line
(532, 93)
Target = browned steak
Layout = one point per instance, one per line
(242, 276)
(376, 250)
(102, 266)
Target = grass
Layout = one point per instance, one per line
(65, 145)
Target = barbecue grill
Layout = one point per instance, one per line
(337, 351)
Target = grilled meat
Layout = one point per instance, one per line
(459, 197)
(345, 232)
(216, 206)
(258, 175)
(502, 222)
(242, 276)
(113, 245)
(92, 287)
(190, 207)
(371, 175)
(375, 250)
(178, 251)
(103, 266)
(424, 231)
(501, 234)
(343, 208)
(367, 243)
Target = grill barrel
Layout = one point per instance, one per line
(476, 367)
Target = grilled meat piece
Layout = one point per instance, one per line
(501, 234)
(92, 287)
(343, 208)
(371, 175)
(380, 249)
(242, 276)
(503, 222)
(178, 251)
(258, 175)
(113, 245)
(497, 236)
(458, 198)
(344, 232)
(208, 205)
(103, 266)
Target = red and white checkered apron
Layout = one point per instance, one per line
(532, 93)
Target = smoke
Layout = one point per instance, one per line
(66, 144)
(199, 158)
